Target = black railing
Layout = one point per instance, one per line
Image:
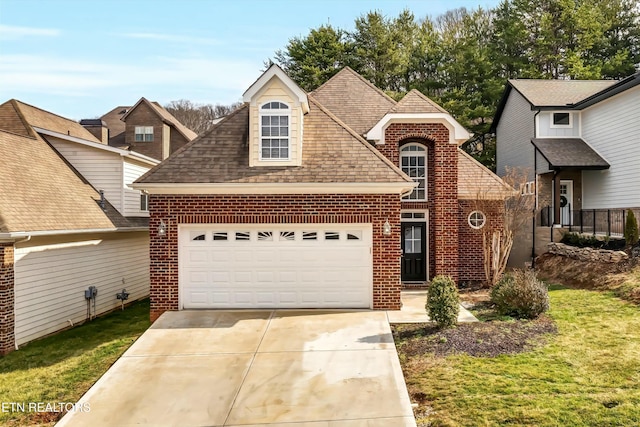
(594, 221)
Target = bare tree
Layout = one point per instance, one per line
(199, 117)
(513, 208)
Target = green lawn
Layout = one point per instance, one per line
(586, 375)
(62, 367)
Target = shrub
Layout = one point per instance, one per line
(631, 229)
(443, 302)
(520, 294)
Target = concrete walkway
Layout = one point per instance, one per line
(413, 310)
(254, 368)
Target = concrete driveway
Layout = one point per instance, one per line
(250, 368)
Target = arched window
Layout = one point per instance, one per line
(413, 162)
(274, 131)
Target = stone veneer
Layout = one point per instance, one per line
(587, 254)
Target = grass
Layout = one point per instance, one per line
(62, 367)
(587, 375)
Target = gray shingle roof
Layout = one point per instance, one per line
(558, 93)
(354, 100)
(332, 154)
(567, 153)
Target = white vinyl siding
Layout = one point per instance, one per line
(612, 128)
(133, 171)
(276, 90)
(546, 130)
(101, 168)
(513, 135)
(51, 276)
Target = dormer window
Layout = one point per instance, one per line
(144, 133)
(561, 120)
(275, 118)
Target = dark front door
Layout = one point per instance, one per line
(414, 251)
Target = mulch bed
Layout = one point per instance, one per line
(482, 339)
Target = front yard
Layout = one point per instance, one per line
(585, 374)
(62, 367)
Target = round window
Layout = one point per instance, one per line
(477, 219)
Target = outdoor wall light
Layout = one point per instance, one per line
(162, 228)
(386, 228)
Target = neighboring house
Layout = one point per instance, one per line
(58, 233)
(578, 140)
(327, 199)
(146, 128)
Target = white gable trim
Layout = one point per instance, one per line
(275, 71)
(457, 133)
(124, 153)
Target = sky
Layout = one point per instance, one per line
(82, 58)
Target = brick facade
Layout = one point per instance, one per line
(470, 251)
(274, 209)
(7, 299)
(442, 189)
(143, 115)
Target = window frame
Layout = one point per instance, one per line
(476, 226)
(280, 112)
(144, 201)
(424, 153)
(144, 133)
(554, 125)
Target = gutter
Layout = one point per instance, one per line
(14, 236)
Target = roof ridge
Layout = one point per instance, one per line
(27, 126)
(360, 139)
(346, 68)
(45, 111)
(423, 97)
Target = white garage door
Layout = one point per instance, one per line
(271, 266)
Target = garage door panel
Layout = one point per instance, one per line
(265, 267)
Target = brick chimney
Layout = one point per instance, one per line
(98, 128)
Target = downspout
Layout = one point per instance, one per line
(26, 239)
(535, 205)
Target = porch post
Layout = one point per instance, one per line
(556, 198)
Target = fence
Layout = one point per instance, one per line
(609, 222)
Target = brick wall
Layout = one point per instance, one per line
(143, 115)
(177, 141)
(7, 299)
(442, 187)
(470, 251)
(272, 209)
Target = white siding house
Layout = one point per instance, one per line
(612, 128)
(583, 147)
(51, 274)
(57, 234)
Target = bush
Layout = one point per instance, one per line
(443, 302)
(631, 229)
(520, 294)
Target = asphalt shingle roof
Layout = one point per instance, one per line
(332, 154)
(416, 102)
(354, 100)
(558, 93)
(569, 153)
(39, 190)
